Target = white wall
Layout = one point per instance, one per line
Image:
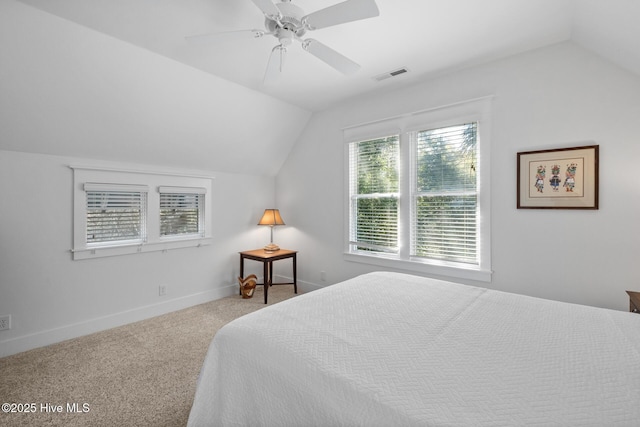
(51, 297)
(559, 96)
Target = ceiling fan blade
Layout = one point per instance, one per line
(267, 7)
(348, 11)
(330, 56)
(274, 66)
(205, 39)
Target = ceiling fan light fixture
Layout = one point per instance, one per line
(285, 36)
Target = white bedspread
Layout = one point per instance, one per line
(387, 349)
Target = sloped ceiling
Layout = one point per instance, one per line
(426, 36)
(116, 78)
(422, 35)
(68, 90)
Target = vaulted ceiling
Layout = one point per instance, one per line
(116, 79)
(425, 36)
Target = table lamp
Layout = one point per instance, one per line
(271, 217)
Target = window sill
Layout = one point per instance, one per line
(105, 251)
(468, 273)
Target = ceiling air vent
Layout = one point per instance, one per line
(390, 74)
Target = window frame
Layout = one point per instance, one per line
(477, 110)
(153, 181)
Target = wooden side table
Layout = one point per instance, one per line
(634, 301)
(267, 259)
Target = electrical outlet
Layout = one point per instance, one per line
(323, 276)
(5, 322)
(162, 290)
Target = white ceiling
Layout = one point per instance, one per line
(426, 36)
(116, 80)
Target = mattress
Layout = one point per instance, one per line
(387, 349)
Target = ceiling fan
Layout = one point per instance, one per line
(288, 22)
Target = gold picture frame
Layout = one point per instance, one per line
(563, 178)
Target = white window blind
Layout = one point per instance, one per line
(181, 211)
(115, 213)
(374, 194)
(445, 194)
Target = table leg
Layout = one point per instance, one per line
(270, 273)
(241, 271)
(295, 270)
(266, 280)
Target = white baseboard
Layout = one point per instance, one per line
(55, 335)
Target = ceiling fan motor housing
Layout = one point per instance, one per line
(290, 19)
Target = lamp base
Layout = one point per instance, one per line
(271, 247)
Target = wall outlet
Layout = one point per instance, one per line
(162, 290)
(323, 276)
(5, 322)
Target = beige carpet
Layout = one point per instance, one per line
(143, 374)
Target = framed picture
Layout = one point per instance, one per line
(565, 178)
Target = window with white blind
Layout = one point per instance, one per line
(115, 213)
(375, 191)
(120, 212)
(444, 196)
(418, 192)
(181, 211)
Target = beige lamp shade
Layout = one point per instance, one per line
(271, 217)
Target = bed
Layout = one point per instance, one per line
(387, 349)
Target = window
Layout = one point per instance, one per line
(115, 214)
(418, 196)
(375, 194)
(181, 211)
(444, 200)
(118, 212)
